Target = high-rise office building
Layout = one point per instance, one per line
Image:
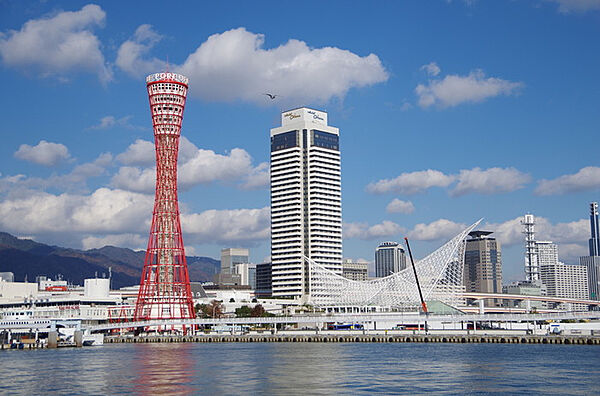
(355, 270)
(306, 199)
(235, 268)
(483, 265)
(230, 257)
(563, 280)
(247, 272)
(389, 258)
(592, 262)
(263, 280)
(546, 252)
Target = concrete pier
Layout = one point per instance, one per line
(423, 338)
(78, 337)
(52, 339)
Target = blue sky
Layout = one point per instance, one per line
(449, 111)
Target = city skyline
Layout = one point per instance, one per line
(482, 112)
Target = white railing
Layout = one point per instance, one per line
(352, 318)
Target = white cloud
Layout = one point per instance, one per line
(83, 172)
(58, 45)
(258, 177)
(453, 90)
(570, 252)
(399, 206)
(439, 229)
(431, 69)
(208, 166)
(131, 52)
(405, 106)
(411, 183)
(476, 180)
(122, 218)
(489, 181)
(508, 233)
(196, 166)
(568, 6)
(75, 180)
(363, 231)
(585, 179)
(571, 237)
(110, 121)
(227, 226)
(572, 232)
(44, 153)
(141, 152)
(104, 211)
(234, 65)
(136, 179)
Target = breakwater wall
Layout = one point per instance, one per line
(423, 338)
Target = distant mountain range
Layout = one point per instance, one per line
(25, 257)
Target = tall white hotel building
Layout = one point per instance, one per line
(306, 200)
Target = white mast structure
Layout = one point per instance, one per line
(532, 271)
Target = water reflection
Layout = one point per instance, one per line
(164, 369)
(296, 368)
(320, 368)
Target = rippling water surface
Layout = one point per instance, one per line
(315, 368)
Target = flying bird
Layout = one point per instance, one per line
(271, 96)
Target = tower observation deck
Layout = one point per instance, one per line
(165, 285)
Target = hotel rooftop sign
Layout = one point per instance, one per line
(304, 114)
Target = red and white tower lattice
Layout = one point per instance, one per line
(165, 286)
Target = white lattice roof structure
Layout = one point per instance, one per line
(440, 275)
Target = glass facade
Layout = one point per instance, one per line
(284, 141)
(326, 140)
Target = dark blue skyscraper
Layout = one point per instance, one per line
(595, 239)
(592, 262)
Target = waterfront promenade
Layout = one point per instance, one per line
(448, 337)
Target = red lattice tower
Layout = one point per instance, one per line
(165, 286)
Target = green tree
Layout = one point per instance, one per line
(243, 312)
(200, 310)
